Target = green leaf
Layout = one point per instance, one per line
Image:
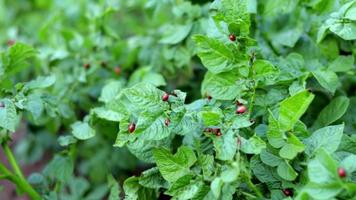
(211, 117)
(292, 108)
(291, 67)
(278, 7)
(18, 56)
(327, 79)
(216, 186)
(253, 145)
(291, 148)
(274, 134)
(241, 121)
(342, 64)
(173, 167)
(225, 145)
(41, 82)
(269, 158)
(151, 127)
(324, 191)
(175, 33)
(332, 112)
(66, 140)
(185, 188)
(110, 91)
(265, 72)
(82, 130)
(235, 11)
(146, 75)
(143, 96)
(262, 172)
(346, 30)
(328, 138)
(34, 105)
(322, 169)
(349, 164)
(215, 55)
(107, 114)
(114, 188)
(288, 35)
(286, 171)
(134, 191)
(151, 178)
(207, 164)
(222, 86)
(60, 167)
(8, 116)
(350, 10)
(231, 173)
(143, 149)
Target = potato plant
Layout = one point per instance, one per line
(230, 99)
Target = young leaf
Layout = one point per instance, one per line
(269, 158)
(82, 130)
(322, 169)
(216, 186)
(134, 191)
(225, 146)
(286, 171)
(328, 79)
(211, 117)
(342, 64)
(222, 86)
(274, 134)
(146, 75)
(206, 163)
(327, 138)
(151, 178)
(262, 172)
(332, 112)
(291, 148)
(41, 82)
(231, 173)
(253, 145)
(214, 54)
(18, 56)
(173, 167)
(143, 96)
(349, 164)
(8, 115)
(176, 33)
(60, 167)
(292, 108)
(185, 188)
(143, 149)
(151, 126)
(114, 188)
(322, 191)
(110, 91)
(265, 72)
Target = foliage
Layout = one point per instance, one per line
(261, 98)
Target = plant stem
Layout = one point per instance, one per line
(18, 178)
(4, 177)
(26, 187)
(12, 160)
(4, 170)
(254, 188)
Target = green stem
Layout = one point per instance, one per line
(26, 187)
(4, 170)
(12, 160)
(254, 188)
(18, 178)
(2, 177)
